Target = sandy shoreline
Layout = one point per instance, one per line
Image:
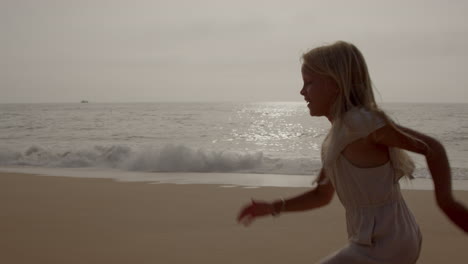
(48, 219)
(235, 179)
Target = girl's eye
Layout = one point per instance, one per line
(306, 84)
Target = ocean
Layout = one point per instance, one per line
(258, 138)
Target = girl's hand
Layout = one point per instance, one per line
(253, 210)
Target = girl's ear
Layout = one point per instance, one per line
(334, 85)
(336, 90)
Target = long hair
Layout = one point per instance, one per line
(345, 64)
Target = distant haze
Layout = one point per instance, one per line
(142, 51)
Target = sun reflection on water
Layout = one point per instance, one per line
(277, 128)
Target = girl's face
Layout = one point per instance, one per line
(320, 92)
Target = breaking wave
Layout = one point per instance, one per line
(171, 158)
(168, 158)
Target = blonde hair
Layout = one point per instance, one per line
(345, 65)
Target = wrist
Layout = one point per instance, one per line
(278, 207)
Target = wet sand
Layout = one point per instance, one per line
(48, 219)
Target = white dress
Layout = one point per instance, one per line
(381, 228)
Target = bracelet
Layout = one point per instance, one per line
(283, 207)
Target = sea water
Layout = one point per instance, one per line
(257, 138)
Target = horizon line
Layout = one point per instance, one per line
(218, 101)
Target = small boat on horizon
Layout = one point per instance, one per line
(84, 101)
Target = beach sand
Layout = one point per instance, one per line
(48, 219)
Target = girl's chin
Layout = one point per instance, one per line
(313, 112)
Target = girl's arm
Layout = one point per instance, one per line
(317, 197)
(437, 163)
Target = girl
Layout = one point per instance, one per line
(363, 160)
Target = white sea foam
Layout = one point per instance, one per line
(171, 158)
(167, 158)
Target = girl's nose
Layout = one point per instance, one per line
(302, 91)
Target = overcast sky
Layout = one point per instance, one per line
(215, 50)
